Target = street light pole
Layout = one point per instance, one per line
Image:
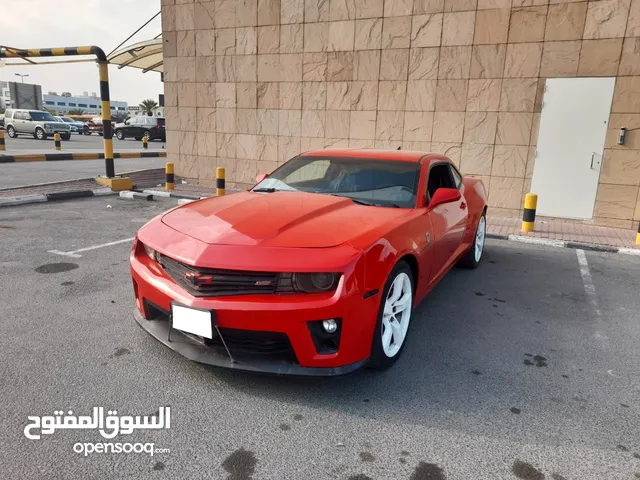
(21, 75)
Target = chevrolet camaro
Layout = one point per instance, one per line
(316, 270)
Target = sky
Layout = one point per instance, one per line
(105, 23)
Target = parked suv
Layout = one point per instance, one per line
(34, 122)
(137, 127)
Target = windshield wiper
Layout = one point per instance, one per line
(265, 190)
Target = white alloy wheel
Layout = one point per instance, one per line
(396, 314)
(478, 247)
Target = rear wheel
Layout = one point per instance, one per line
(394, 315)
(147, 135)
(40, 134)
(11, 132)
(474, 255)
(66, 137)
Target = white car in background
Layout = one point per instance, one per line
(74, 125)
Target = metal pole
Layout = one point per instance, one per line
(107, 130)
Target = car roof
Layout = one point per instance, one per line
(375, 154)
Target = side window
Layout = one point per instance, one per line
(457, 178)
(439, 177)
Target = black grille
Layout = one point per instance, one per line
(219, 283)
(241, 343)
(274, 345)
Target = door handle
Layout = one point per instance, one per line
(463, 206)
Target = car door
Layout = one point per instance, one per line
(448, 220)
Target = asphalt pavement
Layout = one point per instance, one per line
(29, 173)
(524, 368)
(27, 144)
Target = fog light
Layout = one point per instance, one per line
(330, 326)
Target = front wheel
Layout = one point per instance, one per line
(474, 255)
(86, 131)
(119, 134)
(394, 315)
(40, 134)
(11, 132)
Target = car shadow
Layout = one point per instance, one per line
(484, 352)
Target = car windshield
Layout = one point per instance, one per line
(67, 120)
(41, 116)
(384, 183)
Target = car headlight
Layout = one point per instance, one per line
(151, 253)
(315, 282)
(47, 125)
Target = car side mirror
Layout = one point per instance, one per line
(444, 195)
(261, 177)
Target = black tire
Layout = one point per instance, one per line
(66, 137)
(86, 131)
(11, 132)
(470, 260)
(40, 134)
(147, 134)
(379, 359)
(120, 135)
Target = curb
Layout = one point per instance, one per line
(161, 194)
(51, 197)
(594, 247)
(131, 195)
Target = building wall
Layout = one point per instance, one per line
(90, 105)
(251, 83)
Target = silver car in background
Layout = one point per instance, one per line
(40, 124)
(74, 125)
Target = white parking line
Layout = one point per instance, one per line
(589, 287)
(75, 253)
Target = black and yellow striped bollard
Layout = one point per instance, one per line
(529, 213)
(638, 235)
(220, 187)
(169, 177)
(56, 141)
(2, 145)
(145, 143)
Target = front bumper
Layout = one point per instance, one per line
(198, 352)
(283, 314)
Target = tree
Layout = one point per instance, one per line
(119, 117)
(76, 111)
(52, 93)
(148, 105)
(66, 94)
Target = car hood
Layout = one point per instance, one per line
(279, 219)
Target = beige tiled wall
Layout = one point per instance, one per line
(251, 83)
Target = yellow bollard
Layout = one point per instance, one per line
(529, 214)
(638, 235)
(169, 177)
(2, 145)
(145, 143)
(56, 141)
(220, 188)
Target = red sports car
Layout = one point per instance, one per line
(314, 271)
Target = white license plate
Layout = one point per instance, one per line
(192, 320)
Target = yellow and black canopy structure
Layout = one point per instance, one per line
(101, 59)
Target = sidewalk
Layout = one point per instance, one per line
(140, 178)
(504, 227)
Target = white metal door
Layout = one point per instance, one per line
(571, 139)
